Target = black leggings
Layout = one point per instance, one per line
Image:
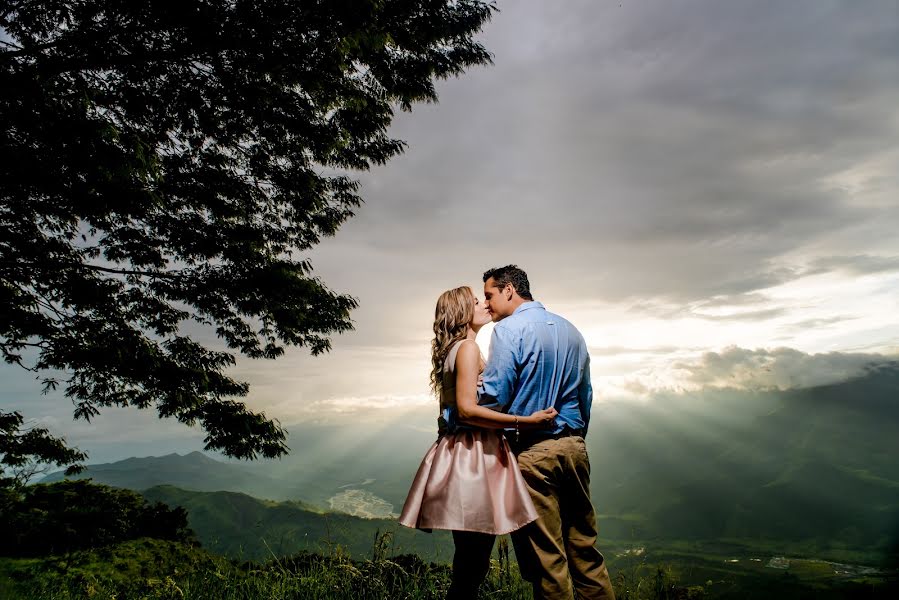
(471, 561)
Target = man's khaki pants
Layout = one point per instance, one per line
(557, 552)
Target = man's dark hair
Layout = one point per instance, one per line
(510, 274)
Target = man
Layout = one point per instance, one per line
(537, 360)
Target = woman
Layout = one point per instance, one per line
(469, 481)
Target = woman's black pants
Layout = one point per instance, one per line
(471, 561)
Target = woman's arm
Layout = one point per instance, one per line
(470, 413)
(499, 372)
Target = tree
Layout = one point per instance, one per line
(26, 450)
(66, 516)
(166, 164)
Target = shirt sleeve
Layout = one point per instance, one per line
(585, 394)
(501, 373)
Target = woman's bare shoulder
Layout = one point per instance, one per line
(469, 352)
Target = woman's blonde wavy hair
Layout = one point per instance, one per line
(454, 312)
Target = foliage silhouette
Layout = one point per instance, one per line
(26, 451)
(62, 517)
(166, 164)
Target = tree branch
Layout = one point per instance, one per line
(11, 45)
(166, 274)
(54, 267)
(23, 51)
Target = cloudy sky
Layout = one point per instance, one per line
(708, 190)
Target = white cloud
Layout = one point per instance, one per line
(362, 404)
(777, 368)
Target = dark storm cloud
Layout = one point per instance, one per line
(669, 150)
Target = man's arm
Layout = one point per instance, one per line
(501, 373)
(585, 394)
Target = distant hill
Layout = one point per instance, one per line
(240, 526)
(326, 463)
(815, 465)
(193, 471)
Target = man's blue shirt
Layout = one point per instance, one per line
(537, 360)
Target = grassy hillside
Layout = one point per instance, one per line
(808, 470)
(240, 526)
(147, 569)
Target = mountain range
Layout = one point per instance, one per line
(813, 466)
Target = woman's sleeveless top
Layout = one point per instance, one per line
(448, 421)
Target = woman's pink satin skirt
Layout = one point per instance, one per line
(469, 481)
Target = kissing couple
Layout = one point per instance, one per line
(510, 455)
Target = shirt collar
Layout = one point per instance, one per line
(528, 306)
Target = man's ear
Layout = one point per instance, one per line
(509, 289)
